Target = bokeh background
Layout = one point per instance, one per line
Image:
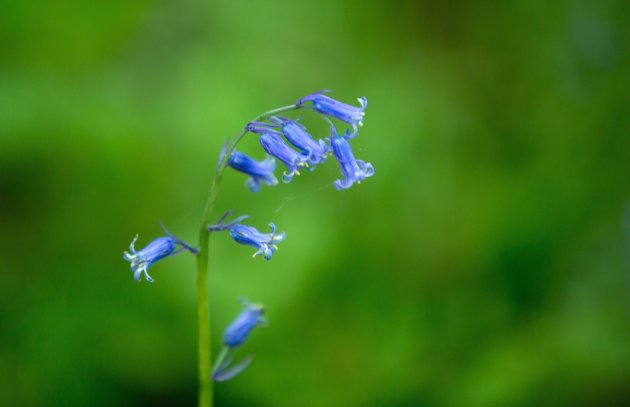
(485, 264)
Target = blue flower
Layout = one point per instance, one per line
(265, 243)
(245, 322)
(259, 171)
(297, 135)
(346, 113)
(158, 249)
(235, 335)
(353, 170)
(273, 144)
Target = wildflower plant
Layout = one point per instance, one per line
(288, 141)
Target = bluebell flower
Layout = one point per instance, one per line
(273, 144)
(330, 107)
(353, 170)
(259, 171)
(235, 335)
(245, 322)
(158, 249)
(297, 135)
(265, 243)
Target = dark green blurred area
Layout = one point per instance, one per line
(485, 264)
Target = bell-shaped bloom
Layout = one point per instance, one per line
(297, 135)
(158, 249)
(353, 170)
(238, 331)
(330, 107)
(250, 236)
(273, 144)
(235, 335)
(258, 171)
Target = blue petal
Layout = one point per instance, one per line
(353, 170)
(259, 171)
(238, 331)
(296, 134)
(273, 144)
(265, 243)
(328, 106)
(156, 250)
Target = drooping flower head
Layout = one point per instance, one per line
(235, 335)
(273, 144)
(330, 107)
(297, 135)
(158, 249)
(259, 171)
(250, 236)
(353, 170)
(238, 331)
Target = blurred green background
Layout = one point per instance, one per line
(485, 264)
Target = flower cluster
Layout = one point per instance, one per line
(288, 141)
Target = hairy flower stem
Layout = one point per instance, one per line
(203, 297)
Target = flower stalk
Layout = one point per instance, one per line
(206, 391)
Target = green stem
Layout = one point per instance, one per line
(203, 296)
